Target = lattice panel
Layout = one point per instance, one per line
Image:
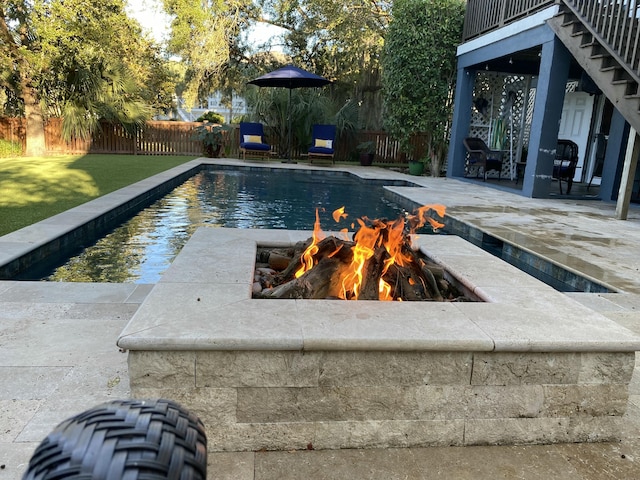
(497, 115)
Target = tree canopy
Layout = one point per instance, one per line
(206, 36)
(339, 40)
(81, 60)
(419, 69)
(85, 60)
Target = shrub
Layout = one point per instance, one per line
(419, 69)
(10, 149)
(212, 117)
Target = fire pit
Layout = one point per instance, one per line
(377, 262)
(526, 364)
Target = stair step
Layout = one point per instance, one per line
(630, 86)
(588, 40)
(590, 43)
(600, 56)
(570, 19)
(623, 81)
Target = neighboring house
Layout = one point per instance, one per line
(214, 103)
(531, 72)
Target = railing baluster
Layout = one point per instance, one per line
(612, 24)
(636, 23)
(632, 35)
(624, 45)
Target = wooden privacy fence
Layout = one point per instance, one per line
(176, 138)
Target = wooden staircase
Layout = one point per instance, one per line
(605, 44)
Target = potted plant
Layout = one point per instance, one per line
(416, 167)
(212, 137)
(367, 151)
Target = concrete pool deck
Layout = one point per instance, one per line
(58, 354)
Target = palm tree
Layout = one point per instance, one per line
(101, 91)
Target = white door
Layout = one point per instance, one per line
(574, 125)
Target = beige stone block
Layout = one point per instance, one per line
(211, 405)
(161, 368)
(505, 368)
(395, 368)
(230, 466)
(607, 367)
(526, 401)
(244, 437)
(513, 431)
(349, 403)
(588, 400)
(595, 429)
(257, 369)
(388, 434)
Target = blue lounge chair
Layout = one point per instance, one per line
(252, 140)
(323, 142)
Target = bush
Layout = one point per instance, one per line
(420, 67)
(212, 117)
(10, 149)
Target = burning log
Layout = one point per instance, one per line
(317, 282)
(370, 289)
(378, 264)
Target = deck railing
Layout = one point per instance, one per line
(482, 16)
(614, 23)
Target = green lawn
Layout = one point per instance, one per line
(35, 188)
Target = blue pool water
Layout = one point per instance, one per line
(141, 249)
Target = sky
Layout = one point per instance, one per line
(151, 17)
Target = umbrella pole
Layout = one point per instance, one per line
(289, 132)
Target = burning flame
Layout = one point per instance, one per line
(366, 239)
(390, 235)
(307, 257)
(338, 214)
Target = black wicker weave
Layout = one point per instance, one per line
(124, 439)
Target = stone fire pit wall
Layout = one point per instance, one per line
(526, 365)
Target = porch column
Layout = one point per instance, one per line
(614, 158)
(547, 112)
(461, 122)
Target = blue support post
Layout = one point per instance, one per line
(461, 122)
(614, 159)
(550, 91)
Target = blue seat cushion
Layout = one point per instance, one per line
(255, 146)
(321, 150)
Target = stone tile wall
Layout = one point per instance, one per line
(281, 400)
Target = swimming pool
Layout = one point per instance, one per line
(142, 248)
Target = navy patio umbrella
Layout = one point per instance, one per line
(290, 77)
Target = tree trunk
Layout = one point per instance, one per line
(35, 120)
